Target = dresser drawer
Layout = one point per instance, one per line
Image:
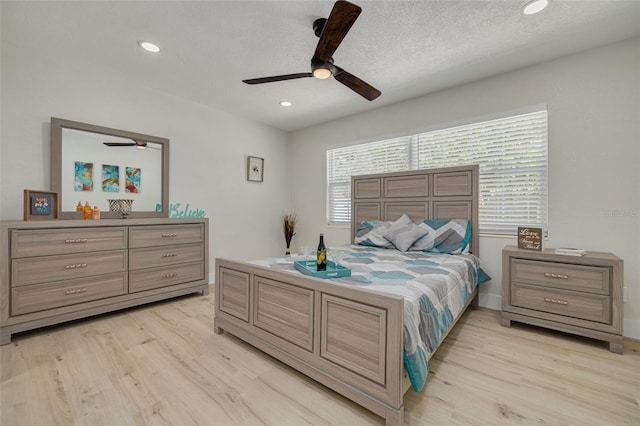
(147, 279)
(591, 279)
(587, 306)
(35, 270)
(38, 297)
(147, 236)
(43, 242)
(149, 257)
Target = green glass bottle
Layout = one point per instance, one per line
(321, 259)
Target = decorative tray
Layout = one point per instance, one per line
(309, 267)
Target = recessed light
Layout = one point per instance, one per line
(285, 103)
(535, 6)
(148, 46)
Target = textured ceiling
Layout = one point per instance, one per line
(403, 48)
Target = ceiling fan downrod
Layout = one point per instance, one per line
(318, 26)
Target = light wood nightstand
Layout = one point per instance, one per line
(574, 294)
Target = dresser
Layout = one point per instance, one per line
(56, 271)
(575, 294)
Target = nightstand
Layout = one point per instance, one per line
(574, 294)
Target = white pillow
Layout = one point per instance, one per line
(403, 233)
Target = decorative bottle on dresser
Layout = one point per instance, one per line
(322, 255)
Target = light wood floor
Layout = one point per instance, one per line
(163, 365)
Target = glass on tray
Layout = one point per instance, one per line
(308, 251)
(336, 255)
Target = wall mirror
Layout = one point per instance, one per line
(94, 164)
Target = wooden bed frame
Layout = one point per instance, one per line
(348, 338)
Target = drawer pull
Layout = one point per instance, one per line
(169, 235)
(75, 291)
(75, 241)
(559, 276)
(75, 266)
(172, 275)
(556, 301)
(169, 254)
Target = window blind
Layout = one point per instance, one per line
(511, 151)
(512, 154)
(391, 155)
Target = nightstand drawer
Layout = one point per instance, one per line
(591, 307)
(591, 279)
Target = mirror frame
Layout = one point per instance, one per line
(57, 124)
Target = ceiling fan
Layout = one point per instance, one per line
(331, 32)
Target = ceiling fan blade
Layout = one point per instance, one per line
(342, 17)
(277, 78)
(119, 143)
(136, 142)
(354, 83)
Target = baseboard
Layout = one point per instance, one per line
(491, 301)
(631, 329)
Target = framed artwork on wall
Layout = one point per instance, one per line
(40, 205)
(255, 169)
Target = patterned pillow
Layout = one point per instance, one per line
(403, 233)
(371, 233)
(444, 236)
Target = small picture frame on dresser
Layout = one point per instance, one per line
(529, 238)
(40, 205)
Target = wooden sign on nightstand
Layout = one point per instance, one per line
(530, 238)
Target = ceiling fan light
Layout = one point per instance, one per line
(535, 6)
(321, 73)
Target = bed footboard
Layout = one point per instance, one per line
(349, 339)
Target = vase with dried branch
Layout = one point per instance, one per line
(289, 222)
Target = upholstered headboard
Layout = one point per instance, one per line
(444, 193)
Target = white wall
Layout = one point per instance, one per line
(208, 148)
(593, 100)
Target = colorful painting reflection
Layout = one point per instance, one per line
(83, 176)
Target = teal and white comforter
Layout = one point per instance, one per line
(435, 287)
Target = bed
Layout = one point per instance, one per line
(356, 334)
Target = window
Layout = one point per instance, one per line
(511, 152)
